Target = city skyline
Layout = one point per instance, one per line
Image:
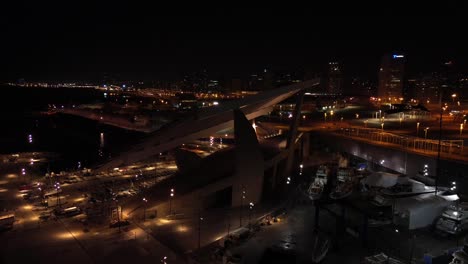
(73, 43)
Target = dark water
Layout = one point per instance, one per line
(74, 138)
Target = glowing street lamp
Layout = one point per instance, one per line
(425, 132)
(461, 129)
(382, 125)
(251, 206)
(400, 121)
(170, 201)
(453, 97)
(144, 209)
(417, 129)
(241, 205)
(331, 114)
(325, 116)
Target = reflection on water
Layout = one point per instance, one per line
(101, 140)
(30, 128)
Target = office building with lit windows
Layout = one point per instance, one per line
(391, 74)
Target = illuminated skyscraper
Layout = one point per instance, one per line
(391, 72)
(334, 78)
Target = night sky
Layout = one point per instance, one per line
(82, 42)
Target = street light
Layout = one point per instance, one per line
(357, 116)
(251, 205)
(417, 129)
(331, 114)
(241, 206)
(144, 209)
(425, 132)
(170, 201)
(461, 129)
(400, 121)
(453, 97)
(325, 116)
(382, 125)
(57, 188)
(200, 219)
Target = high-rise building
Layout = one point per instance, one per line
(391, 75)
(361, 87)
(261, 81)
(335, 78)
(425, 87)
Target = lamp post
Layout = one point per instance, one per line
(200, 219)
(381, 134)
(170, 201)
(144, 209)
(461, 129)
(453, 97)
(23, 172)
(325, 116)
(417, 129)
(425, 132)
(400, 121)
(331, 114)
(57, 188)
(251, 206)
(241, 205)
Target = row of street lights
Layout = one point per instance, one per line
(145, 201)
(425, 130)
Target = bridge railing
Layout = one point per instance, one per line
(448, 147)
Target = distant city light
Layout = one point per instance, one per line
(398, 56)
(215, 103)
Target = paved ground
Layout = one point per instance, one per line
(65, 239)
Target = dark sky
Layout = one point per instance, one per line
(82, 41)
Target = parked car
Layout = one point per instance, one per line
(45, 215)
